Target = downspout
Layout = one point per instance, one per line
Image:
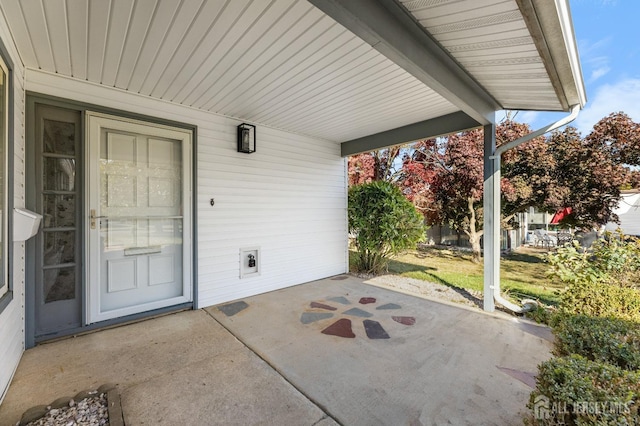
(575, 109)
(528, 304)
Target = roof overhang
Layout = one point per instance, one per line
(527, 60)
(552, 30)
(357, 72)
(386, 26)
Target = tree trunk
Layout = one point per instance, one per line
(474, 235)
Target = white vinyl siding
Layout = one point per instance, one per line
(12, 317)
(288, 198)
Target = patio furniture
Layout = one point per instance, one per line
(564, 238)
(543, 238)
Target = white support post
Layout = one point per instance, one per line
(491, 204)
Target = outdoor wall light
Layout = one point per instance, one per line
(246, 138)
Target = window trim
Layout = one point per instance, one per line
(7, 181)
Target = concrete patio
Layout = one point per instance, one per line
(276, 359)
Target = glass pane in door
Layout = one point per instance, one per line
(139, 253)
(60, 284)
(140, 219)
(59, 137)
(58, 290)
(60, 210)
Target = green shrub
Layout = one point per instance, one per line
(576, 391)
(596, 379)
(570, 264)
(603, 281)
(609, 340)
(384, 223)
(541, 314)
(613, 259)
(618, 256)
(600, 299)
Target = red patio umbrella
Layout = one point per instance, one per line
(559, 215)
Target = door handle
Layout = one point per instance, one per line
(93, 217)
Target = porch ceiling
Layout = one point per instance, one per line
(514, 48)
(287, 64)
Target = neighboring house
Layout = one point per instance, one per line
(120, 124)
(531, 221)
(628, 212)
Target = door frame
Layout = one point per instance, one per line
(93, 128)
(33, 98)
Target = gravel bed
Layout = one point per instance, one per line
(425, 288)
(91, 411)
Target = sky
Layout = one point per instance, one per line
(608, 37)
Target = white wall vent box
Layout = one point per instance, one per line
(250, 260)
(25, 224)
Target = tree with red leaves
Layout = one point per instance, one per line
(527, 170)
(458, 188)
(382, 164)
(419, 169)
(633, 180)
(591, 171)
(361, 169)
(589, 175)
(444, 177)
(619, 136)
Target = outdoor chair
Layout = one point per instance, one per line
(542, 237)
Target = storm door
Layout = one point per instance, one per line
(139, 223)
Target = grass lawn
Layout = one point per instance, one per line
(522, 273)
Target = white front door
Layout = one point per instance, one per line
(139, 225)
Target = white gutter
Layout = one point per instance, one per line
(528, 304)
(569, 36)
(575, 109)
